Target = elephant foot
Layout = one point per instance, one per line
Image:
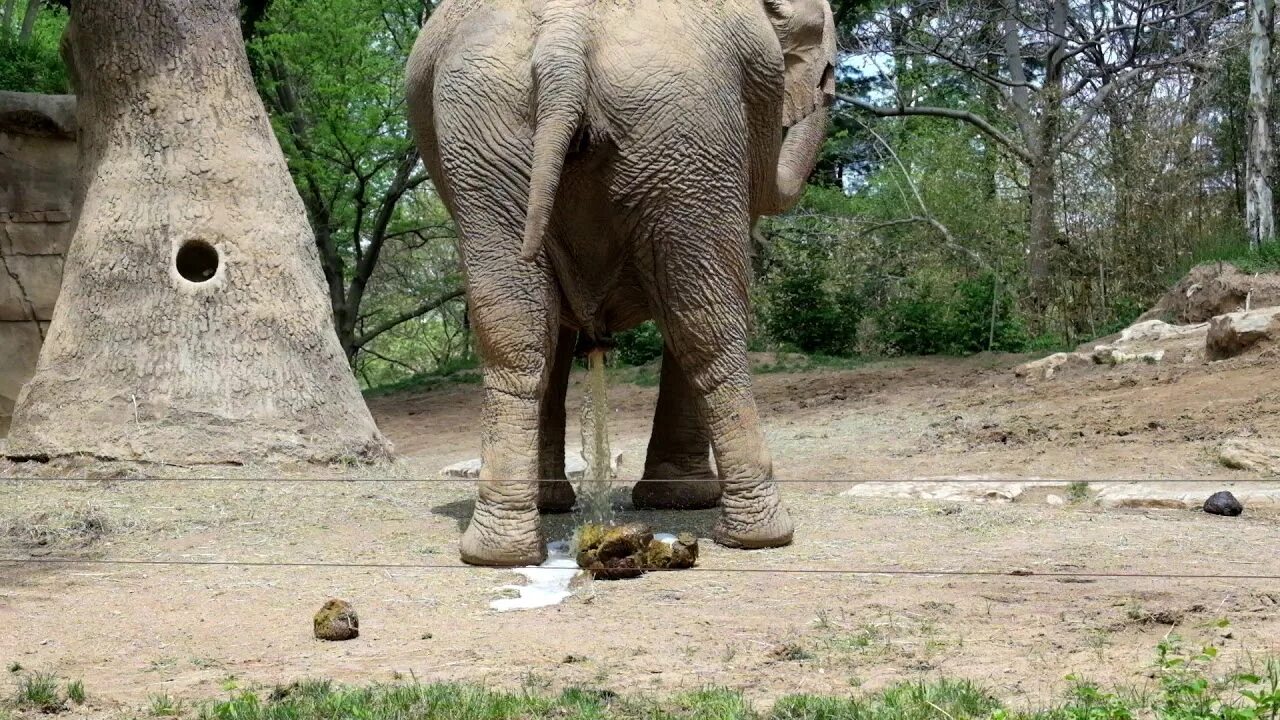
(752, 530)
(503, 540)
(555, 497)
(675, 495)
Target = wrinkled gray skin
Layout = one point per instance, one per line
(605, 162)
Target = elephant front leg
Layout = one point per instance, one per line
(555, 494)
(677, 469)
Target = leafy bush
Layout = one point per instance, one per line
(965, 317)
(640, 345)
(803, 308)
(35, 65)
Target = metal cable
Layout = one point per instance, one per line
(752, 570)
(958, 480)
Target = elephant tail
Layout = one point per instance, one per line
(559, 102)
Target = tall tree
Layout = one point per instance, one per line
(1060, 61)
(1259, 214)
(193, 325)
(331, 72)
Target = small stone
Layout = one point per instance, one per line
(1223, 503)
(1055, 500)
(337, 621)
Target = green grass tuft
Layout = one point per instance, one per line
(38, 692)
(75, 691)
(165, 706)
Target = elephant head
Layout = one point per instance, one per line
(807, 36)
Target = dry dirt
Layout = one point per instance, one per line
(199, 631)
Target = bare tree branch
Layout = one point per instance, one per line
(421, 309)
(973, 119)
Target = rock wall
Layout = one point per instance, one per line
(37, 175)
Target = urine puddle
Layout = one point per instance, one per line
(548, 584)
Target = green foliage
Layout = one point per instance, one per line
(332, 75)
(458, 370)
(966, 316)
(803, 310)
(38, 691)
(1186, 690)
(1235, 249)
(165, 706)
(75, 692)
(640, 345)
(908, 701)
(34, 65)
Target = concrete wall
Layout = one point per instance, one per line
(37, 175)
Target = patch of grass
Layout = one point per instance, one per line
(165, 706)
(77, 526)
(1235, 250)
(910, 701)
(795, 362)
(457, 372)
(38, 692)
(1078, 492)
(75, 692)
(1187, 688)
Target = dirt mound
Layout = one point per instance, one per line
(1214, 289)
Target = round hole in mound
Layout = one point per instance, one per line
(197, 261)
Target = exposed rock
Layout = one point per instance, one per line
(1056, 364)
(38, 115)
(1214, 289)
(957, 488)
(38, 160)
(1150, 341)
(1237, 333)
(1252, 455)
(1110, 355)
(574, 467)
(1176, 495)
(1223, 503)
(337, 620)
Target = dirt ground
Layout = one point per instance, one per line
(201, 631)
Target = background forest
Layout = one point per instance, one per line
(1000, 175)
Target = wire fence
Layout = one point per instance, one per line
(851, 572)
(888, 572)
(958, 479)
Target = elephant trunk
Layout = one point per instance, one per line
(559, 99)
(800, 149)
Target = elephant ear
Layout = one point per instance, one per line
(807, 33)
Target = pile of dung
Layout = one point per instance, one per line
(615, 552)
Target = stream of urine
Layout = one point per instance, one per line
(594, 488)
(548, 584)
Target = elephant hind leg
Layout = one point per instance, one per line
(694, 254)
(555, 494)
(677, 468)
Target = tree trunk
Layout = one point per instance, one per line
(193, 324)
(6, 19)
(1043, 230)
(1259, 215)
(29, 20)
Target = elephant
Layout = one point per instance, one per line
(605, 162)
